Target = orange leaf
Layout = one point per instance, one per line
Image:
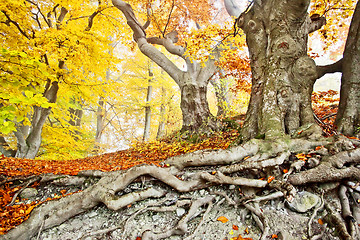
(246, 230)
(285, 170)
(301, 156)
(138, 238)
(235, 227)
(274, 236)
(241, 238)
(270, 179)
(222, 219)
(320, 221)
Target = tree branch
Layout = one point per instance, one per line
(147, 49)
(63, 13)
(316, 23)
(331, 68)
(16, 24)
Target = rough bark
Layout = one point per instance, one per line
(282, 73)
(193, 82)
(348, 116)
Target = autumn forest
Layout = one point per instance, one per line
(178, 119)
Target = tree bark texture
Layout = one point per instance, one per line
(282, 73)
(348, 116)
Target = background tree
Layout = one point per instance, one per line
(194, 79)
(61, 36)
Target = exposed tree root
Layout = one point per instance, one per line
(204, 169)
(330, 169)
(182, 226)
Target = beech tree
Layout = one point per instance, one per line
(193, 81)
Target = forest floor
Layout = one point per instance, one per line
(18, 171)
(210, 188)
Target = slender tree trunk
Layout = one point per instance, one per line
(348, 116)
(161, 129)
(76, 116)
(222, 97)
(282, 73)
(148, 108)
(100, 117)
(28, 146)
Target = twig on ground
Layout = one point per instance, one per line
(270, 196)
(261, 221)
(210, 206)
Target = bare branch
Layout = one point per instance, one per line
(331, 68)
(147, 49)
(63, 13)
(16, 24)
(316, 23)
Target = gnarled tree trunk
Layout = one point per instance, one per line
(192, 82)
(282, 73)
(348, 117)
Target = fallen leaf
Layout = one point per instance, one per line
(301, 156)
(241, 238)
(222, 219)
(320, 221)
(235, 227)
(274, 236)
(285, 170)
(246, 230)
(270, 179)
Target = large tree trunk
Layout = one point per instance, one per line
(195, 108)
(348, 117)
(282, 73)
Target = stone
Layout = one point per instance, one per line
(180, 212)
(28, 193)
(303, 202)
